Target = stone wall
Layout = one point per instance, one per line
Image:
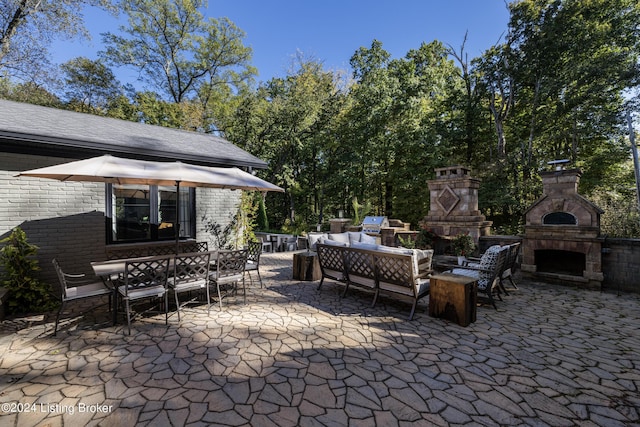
(66, 219)
(621, 265)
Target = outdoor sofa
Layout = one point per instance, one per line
(396, 272)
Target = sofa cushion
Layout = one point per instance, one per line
(422, 259)
(334, 242)
(354, 237)
(314, 238)
(340, 237)
(392, 250)
(367, 246)
(365, 238)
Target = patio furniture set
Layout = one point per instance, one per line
(407, 273)
(153, 277)
(278, 242)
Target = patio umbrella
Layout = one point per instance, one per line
(117, 170)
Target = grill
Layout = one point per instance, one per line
(373, 224)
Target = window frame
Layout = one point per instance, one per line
(187, 225)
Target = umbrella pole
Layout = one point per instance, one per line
(177, 227)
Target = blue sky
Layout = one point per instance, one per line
(332, 30)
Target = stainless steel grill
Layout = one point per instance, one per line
(373, 224)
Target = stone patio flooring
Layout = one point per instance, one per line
(293, 356)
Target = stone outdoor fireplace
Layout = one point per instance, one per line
(454, 204)
(562, 233)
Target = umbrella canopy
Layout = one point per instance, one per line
(117, 170)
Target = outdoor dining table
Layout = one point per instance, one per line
(115, 268)
(278, 241)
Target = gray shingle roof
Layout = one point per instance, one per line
(51, 128)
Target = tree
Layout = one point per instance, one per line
(498, 84)
(287, 122)
(29, 92)
(28, 26)
(468, 100)
(557, 85)
(90, 85)
(177, 52)
(572, 62)
(395, 126)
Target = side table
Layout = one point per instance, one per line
(453, 297)
(306, 266)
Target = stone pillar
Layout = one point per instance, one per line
(454, 204)
(338, 225)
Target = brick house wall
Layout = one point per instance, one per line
(66, 219)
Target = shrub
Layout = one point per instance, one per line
(463, 244)
(26, 294)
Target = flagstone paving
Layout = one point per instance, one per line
(295, 356)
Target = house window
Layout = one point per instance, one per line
(138, 213)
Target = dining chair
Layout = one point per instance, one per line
(267, 245)
(145, 278)
(290, 243)
(229, 271)
(76, 287)
(190, 273)
(254, 250)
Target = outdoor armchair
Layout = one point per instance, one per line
(487, 271)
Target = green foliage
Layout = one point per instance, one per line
(90, 85)
(621, 217)
(262, 221)
(407, 242)
(554, 88)
(360, 210)
(463, 245)
(27, 28)
(177, 51)
(426, 238)
(26, 294)
(223, 235)
(246, 218)
(238, 231)
(28, 92)
(297, 228)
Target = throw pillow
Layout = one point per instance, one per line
(314, 238)
(340, 237)
(422, 259)
(365, 238)
(354, 237)
(392, 250)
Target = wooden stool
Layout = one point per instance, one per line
(306, 266)
(453, 297)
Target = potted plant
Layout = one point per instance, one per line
(463, 245)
